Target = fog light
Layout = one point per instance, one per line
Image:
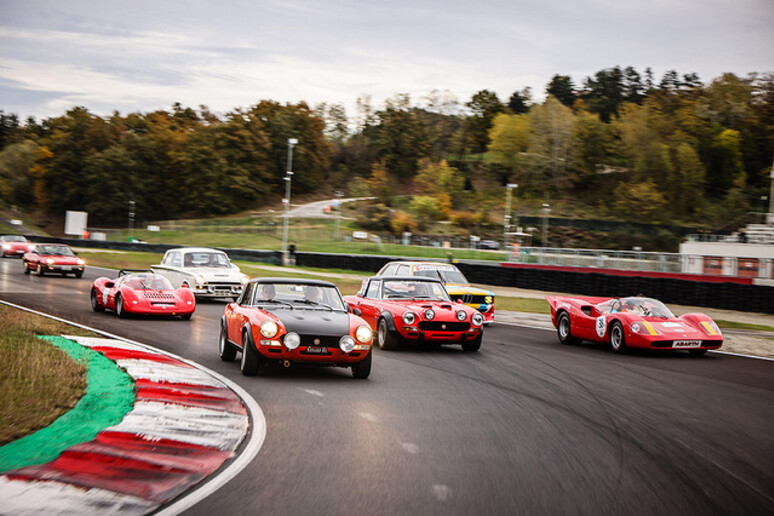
(292, 340)
(347, 343)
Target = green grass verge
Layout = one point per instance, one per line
(38, 382)
(733, 325)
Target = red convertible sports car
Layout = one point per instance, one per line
(288, 320)
(56, 258)
(416, 309)
(141, 292)
(632, 322)
(14, 245)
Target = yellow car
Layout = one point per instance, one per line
(455, 282)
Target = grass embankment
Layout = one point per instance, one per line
(38, 382)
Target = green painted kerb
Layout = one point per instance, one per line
(109, 396)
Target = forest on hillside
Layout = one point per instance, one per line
(621, 144)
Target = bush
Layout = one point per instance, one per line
(402, 221)
(377, 217)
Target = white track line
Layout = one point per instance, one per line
(250, 450)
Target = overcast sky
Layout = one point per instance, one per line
(138, 55)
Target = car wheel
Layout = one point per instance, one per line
(79, 274)
(120, 311)
(563, 329)
(226, 352)
(386, 339)
(186, 317)
(95, 302)
(473, 344)
(697, 352)
(41, 272)
(617, 339)
(362, 369)
(26, 268)
(250, 364)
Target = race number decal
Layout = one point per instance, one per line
(601, 326)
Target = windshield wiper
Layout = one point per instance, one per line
(313, 303)
(274, 301)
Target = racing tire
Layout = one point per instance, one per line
(564, 330)
(79, 274)
(41, 272)
(251, 363)
(120, 311)
(617, 338)
(226, 351)
(26, 268)
(473, 344)
(697, 352)
(95, 302)
(362, 369)
(186, 317)
(386, 339)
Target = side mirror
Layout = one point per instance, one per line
(459, 301)
(110, 284)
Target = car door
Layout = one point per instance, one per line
(369, 306)
(236, 317)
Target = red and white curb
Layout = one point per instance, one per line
(185, 423)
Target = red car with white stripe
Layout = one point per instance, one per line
(141, 293)
(632, 322)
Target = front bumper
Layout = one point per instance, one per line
(147, 309)
(62, 268)
(333, 355)
(413, 334)
(217, 290)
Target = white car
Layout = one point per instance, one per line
(207, 272)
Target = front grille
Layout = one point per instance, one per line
(158, 295)
(450, 326)
(470, 299)
(668, 344)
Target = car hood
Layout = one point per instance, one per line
(675, 328)
(215, 273)
(61, 260)
(314, 322)
(441, 309)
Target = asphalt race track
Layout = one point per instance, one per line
(525, 426)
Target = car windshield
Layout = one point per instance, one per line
(148, 282)
(447, 275)
(206, 259)
(407, 289)
(643, 306)
(14, 238)
(57, 250)
(297, 295)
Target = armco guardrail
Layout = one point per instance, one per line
(726, 295)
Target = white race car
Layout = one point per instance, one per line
(207, 272)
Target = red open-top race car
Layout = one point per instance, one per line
(632, 322)
(141, 293)
(416, 309)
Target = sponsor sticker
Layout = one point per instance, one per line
(601, 326)
(685, 344)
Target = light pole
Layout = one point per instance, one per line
(507, 218)
(131, 219)
(286, 200)
(339, 194)
(546, 211)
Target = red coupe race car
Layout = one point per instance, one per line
(632, 322)
(287, 320)
(53, 258)
(141, 293)
(416, 309)
(14, 245)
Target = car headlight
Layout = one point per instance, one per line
(269, 329)
(292, 340)
(50, 261)
(461, 316)
(477, 319)
(6, 246)
(409, 318)
(199, 279)
(347, 343)
(710, 328)
(364, 334)
(643, 327)
(429, 314)
(81, 262)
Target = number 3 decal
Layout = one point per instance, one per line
(601, 326)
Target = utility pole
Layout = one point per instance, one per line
(339, 194)
(286, 200)
(507, 218)
(546, 211)
(131, 219)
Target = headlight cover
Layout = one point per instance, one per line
(347, 343)
(643, 327)
(461, 315)
(363, 334)
(269, 329)
(50, 261)
(710, 328)
(477, 319)
(409, 318)
(81, 262)
(429, 314)
(292, 340)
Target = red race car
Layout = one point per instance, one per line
(14, 245)
(632, 322)
(141, 293)
(287, 320)
(416, 309)
(53, 258)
